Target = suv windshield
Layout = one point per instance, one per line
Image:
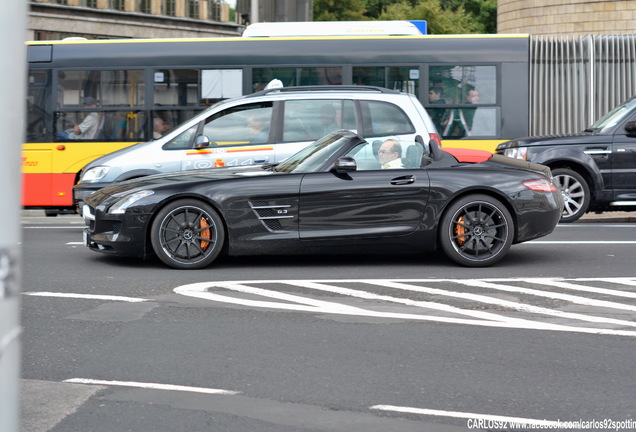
(613, 117)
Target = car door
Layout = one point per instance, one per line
(368, 202)
(624, 164)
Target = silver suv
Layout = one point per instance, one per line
(264, 127)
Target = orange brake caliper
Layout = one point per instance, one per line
(460, 230)
(205, 233)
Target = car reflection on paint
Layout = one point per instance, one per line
(332, 196)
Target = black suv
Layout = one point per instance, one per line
(595, 169)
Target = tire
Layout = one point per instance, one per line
(476, 231)
(187, 234)
(575, 191)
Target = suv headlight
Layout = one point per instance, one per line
(516, 152)
(95, 174)
(120, 206)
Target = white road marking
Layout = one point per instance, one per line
(475, 317)
(465, 415)
(153, 386)
(591, 242)
(553, 295)
(86, 296)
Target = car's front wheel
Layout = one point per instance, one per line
(575, 191)
(187, 234)
(476, 231)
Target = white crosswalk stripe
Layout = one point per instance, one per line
(586, 305)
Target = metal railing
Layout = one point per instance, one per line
(576, 80)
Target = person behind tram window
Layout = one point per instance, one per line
(460, 121)
(472, 98)
(438, 115)
(88, 128)
(390, 154)
(159, 127)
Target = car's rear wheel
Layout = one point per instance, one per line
(575, 191)
(476, 231)
(187, 234)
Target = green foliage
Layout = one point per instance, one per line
(339, 10)
(440, 20)
(443, 16)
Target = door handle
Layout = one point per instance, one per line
(597, 151)
(261, 160)
(403, 180)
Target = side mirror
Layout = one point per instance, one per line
(345, 164)
(630, 128)
(201, 141)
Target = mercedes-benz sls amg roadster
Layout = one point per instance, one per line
(340, 194)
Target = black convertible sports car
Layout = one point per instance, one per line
(332, 196)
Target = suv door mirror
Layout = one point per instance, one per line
(345, 164)
(630, 128)
(201, 141)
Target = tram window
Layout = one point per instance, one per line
(262, 76)
(176, 87)
(112, 88)
(308, 120)
(465, 122)
(402, 78)
(218, 84)
(111, 126)
(371, 76)
(459, 82)
(383, 118)
(320, 76)
(37, 117)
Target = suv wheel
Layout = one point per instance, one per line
(575, 191)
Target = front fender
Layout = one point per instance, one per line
(565, 156)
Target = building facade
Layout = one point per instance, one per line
(103, 19)
(566, 17)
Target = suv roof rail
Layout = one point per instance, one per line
(324, 88)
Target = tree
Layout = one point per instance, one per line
(440, 20)
(339, 10)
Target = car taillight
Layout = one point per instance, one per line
(435, 138)
(540, 185)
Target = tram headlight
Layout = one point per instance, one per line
(95, 174)
(120, 206)
(516, 152)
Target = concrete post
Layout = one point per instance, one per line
(12, 112)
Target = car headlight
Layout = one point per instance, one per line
(516, 152)
(95, 174)
(120, 206)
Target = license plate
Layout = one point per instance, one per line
(85, 234)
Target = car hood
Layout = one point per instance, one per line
(576, 138)
(170, 179)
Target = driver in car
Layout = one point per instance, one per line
(390, 154)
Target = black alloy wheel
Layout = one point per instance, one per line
(187, 234)
(476, 231)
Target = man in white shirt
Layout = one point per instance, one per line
(390, 154)
(89, 127)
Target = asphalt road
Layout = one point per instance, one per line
(341, 343)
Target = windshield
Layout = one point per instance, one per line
(614, 117)
(311, 158)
